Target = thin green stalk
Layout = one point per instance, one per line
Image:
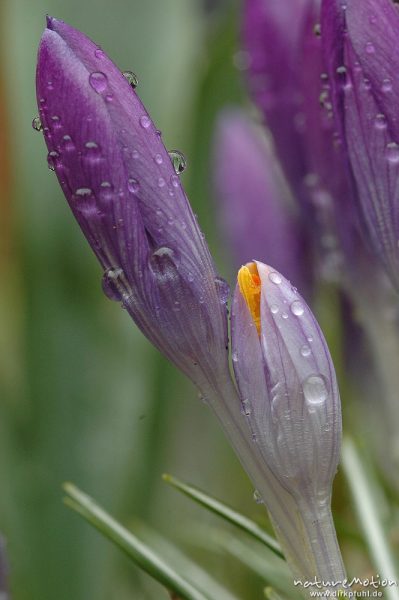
(139, 552)
(369, 517)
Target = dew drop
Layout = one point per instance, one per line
(380, 121)
(297, 308)
(109, 283)
(234, 357)
(370, 48)
(275, 278)
(274, 309)
(37, 124)
(135, 154)
(175, 181)
(83, 192)
(315, 390)
(52, 159)
(341, 70)
(284, 315)
(386, 86)
(161, 182)
(158, 159)
(67, 143)
(223, 289)
(99, 53)
(98, 81)
(131, 78)
(133, 185)
(145, 121)
(178, 161)
(392, 152)
(305, 351)
(310, 339)
(92, 151)
(317, 29)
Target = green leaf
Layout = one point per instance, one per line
(227, 513)
(140, 553)
(364, 489)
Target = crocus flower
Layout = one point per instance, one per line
(290, 397)
(257, 214)
(361, 51)
(123, 190)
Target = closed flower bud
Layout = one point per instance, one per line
(290, 398)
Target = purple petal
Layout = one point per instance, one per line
(122, 188)
(255, 204)
(288, 388)
(361, 45)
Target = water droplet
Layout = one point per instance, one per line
(274, 309)
(52, 159)
(83, 192)
(380, 121)
(158, 159)
(370, 48)
(315, 390)
(234, 357)
(37, 124)
(175, 181)
(98, 81)
(99, 53)
(317, 29)
(305, 351)
(284, 315)
(366, 84)
(297, 308)
(257, 497)
(310, 339)
(132, 78)
(341, 70)
(178, 161)
(92, 151)
(386, 86)
(135, 154)
(161, 182)
(106, 191)
(67, 143)
(133, 185)
(223, 289)
(145, 121)
(275, 278)
(111, 284)
(392, 152)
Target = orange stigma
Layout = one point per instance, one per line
(249, 284)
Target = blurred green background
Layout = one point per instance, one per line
(84, 397)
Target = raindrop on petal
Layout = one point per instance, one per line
(178, 161)
(132, 78)
(37, 124)
(145, 121)
(275, 278)
(111, 284)
(98, 81)
(297, 308)
(52, 159)
(315, 390)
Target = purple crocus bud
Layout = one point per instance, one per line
(290, 397)
(121, 185)
(361, 50)
(256, 210)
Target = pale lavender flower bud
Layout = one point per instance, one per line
(290, 398)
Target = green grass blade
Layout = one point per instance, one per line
(226, 512)
(271, 594)
(140, 553)
(369, 516)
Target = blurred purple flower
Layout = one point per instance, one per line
(256, 211)
(127, 198)
(272, 37)
(360, 46)
(290, 397)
